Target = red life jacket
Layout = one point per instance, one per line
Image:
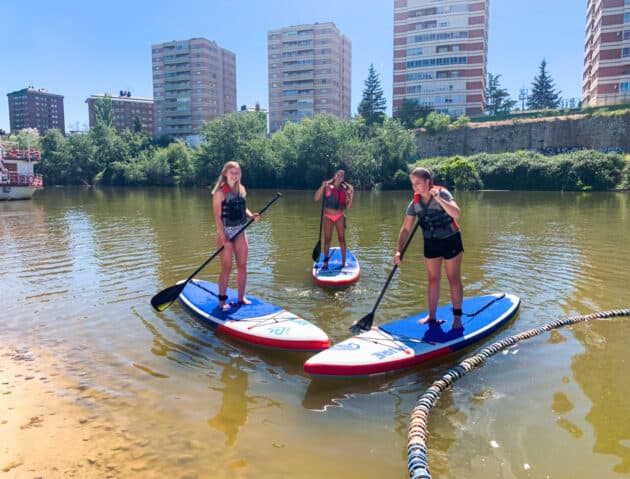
(335, 198)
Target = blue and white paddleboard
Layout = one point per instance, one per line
(336, 274)
(258, 323)
(405, 343)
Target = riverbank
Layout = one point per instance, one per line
(47, 429)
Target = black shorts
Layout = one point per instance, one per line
(446, 248)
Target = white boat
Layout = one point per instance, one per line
(18, 180)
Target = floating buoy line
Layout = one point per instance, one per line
(417, 464)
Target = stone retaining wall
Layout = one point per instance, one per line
(551, 135)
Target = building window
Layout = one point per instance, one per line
(436, 61)
(624, 86)
(419, 76)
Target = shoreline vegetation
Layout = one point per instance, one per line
(378, 156)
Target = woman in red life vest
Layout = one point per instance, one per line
(436, 210)
(230, 214)
(337, 197)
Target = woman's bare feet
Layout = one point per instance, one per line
(429, 319)
(244, 301)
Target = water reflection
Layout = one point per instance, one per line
(600, 372)
(234, 403)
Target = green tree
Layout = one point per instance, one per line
(543, 94)
(137, 124)
(103, 111)
(225, 139)
(25, 138)
(54, 164)
(110, 151)
(395, 147)
(411, 111)
(498, 99)
(79, 165)
(373, 103)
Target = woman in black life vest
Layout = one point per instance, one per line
(337, 197)
(230, 214)
(437, 211)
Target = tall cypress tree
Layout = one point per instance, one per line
(543, 93)
(373, 103)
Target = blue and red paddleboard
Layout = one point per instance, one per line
(336, 274)
(405, 343)
(259, 323)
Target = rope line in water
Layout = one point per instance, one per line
(417, 433)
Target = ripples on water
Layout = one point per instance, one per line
(82, 266)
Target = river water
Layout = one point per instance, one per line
(159, 395)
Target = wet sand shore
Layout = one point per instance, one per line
(45, 430)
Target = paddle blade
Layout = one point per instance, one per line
(165, 298)
(317, 251)
(363, 324)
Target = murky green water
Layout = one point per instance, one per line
(78, 268)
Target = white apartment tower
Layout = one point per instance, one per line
(193, 81)
(440, 55)
(606, 79)
(309, 73)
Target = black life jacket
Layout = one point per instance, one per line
(434, 221)
(233, 208)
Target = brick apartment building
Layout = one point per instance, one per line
(36, 108)
(125, 110)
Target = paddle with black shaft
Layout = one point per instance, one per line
(165, 298)
(365, 323)
(318, 247)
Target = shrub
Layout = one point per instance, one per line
(459, 173)
(437, 122)
(461, 122)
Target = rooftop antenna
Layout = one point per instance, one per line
(523, 96)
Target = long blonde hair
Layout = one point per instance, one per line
(222, 180)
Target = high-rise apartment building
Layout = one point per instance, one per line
(35, 108)
(193, 81)
(128, 112)
(309, 73)
(606, 79)
(440, 55)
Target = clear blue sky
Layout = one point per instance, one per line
(81, 48)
